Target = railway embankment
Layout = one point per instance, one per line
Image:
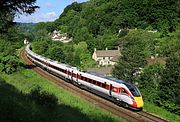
(143, 116)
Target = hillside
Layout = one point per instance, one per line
(98, 22)
(141, 29)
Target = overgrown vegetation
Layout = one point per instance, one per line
(72, 54)
(141, 29)
(159, 81)
(11, 37)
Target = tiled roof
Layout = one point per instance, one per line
(107, 53)
(115, 58)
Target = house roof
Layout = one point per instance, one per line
(115, 58)
(107, 53)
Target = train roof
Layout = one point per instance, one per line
(107, 77)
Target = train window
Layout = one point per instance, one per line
(135, 92)
(90, 80)
(115, 89)
(74, 75)
(104, 84)
(94, 82)
(64, 71)
(69, 73)
(82, 77)
(123, 91)
(98, 83)
(107, 86)
(79, 76)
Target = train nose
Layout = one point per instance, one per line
(139, 102)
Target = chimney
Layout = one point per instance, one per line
(106, 48)
(95, 50)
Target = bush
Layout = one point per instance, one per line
(9, 63)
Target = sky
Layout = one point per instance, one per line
(49, 10)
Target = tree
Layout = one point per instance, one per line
(19, 6)
(137, 46)
(148, 82)
(9, 8)
(82, 56)
(9, 63)
(57, 54)
(40, 47)
(169, 87)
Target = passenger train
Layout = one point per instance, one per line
(118, 91)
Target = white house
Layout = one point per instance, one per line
(57, 36)
(106, 57)
(26, 41)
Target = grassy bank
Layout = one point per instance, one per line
(161, 112)
(69, 107)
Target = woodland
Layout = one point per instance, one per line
(142, 29)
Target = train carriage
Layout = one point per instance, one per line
(118, 91)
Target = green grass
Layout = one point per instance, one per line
(70, 107)
(161, 112)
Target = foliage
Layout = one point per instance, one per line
(137, 46)
(158, 83)
(95, 18)
(96, 24)
(9, 8)
(9, 63)
(26, 30)
(57, 54)
(169, 45)
(169, 87)
(40, 47)
(83, 56)
(73, 54)
(148, 82)
(11, 37)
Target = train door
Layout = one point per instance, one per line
(72, 75)
(110, 90)
(69, 75)
(77, 76)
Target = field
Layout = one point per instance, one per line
(26, 96)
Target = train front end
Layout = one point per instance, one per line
(136, 97)
(139, 102)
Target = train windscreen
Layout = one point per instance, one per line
(133, 90)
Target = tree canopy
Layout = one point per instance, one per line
(11, 8)
(142, 29)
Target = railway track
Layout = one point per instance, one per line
(97, 101)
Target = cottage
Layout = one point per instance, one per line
(106, 57)
(26, 41)
(57, 36)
